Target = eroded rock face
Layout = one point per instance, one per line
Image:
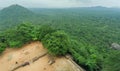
(33, 57)
(115, 46)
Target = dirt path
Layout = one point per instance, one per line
(29, 56)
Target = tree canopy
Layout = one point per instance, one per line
(57, 43)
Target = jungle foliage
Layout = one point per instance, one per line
(84, 33)
(55, 41)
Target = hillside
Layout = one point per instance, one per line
(13, 15)
(35, 55)
(14, 11)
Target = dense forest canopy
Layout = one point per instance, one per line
(85, 33)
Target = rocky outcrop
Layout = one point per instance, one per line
(33, 57)
(115, 46)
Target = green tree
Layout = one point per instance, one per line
(57, 43)
(27, 30)
(44, 30)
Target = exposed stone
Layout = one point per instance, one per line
(115, 46)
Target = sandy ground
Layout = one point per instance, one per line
(12, 58)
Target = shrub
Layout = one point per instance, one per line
(2, 47)
(57, 43)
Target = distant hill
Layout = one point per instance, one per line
(14, 14)
(15, 11)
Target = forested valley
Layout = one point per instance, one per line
(87, 34)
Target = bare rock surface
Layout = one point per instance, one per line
(115, 46)
(33, 57)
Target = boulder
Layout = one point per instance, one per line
(115, 46)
